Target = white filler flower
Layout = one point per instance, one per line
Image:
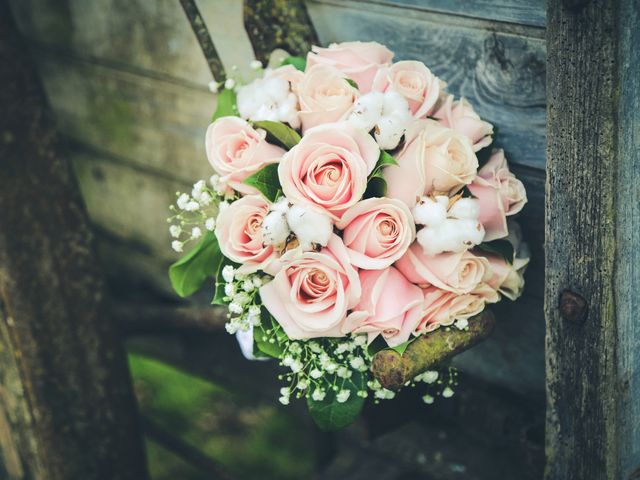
(268, 98)
(387, 114)
(455, 229)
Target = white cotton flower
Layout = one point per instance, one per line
(367, 111)
(310, 228)
(275, 229)
(447, 393)
(465, 209)
(268, 98)
(196, 232)
(318, 395)
(175, 231)
(228, 273)
(229, 83)
(343, 396)
(177, 246)
(210, 224)
(182, 201)
(429, 212)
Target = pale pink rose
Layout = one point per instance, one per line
(324, 96)
(461, 117)
(377, 232)
(236, 151)
(313, 291)
(287, 72)
(414, 81)
(455, 272)
(389, 306)
(435, 159)
(239, 233)
(443, 308)
(507, 279)
(499, 194)
(328, 169)
(359, 61)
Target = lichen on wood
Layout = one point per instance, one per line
(393, 370)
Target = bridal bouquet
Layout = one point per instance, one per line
(355, 206)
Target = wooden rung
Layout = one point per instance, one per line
(137, 318)
(394, 370)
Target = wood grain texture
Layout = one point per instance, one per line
(203, 36)
(627, 266)
(526, 12)
(592, 162)
(68, 410)
(503, 76)
(273, 24)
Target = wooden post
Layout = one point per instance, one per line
(67, 411)
(593, 240)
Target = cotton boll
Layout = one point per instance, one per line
(431, 241)
(281, 206)
(310, 227)
(367, 111)
(389, 131)
(275, 230)
(442, 200)
(465, 208)
(429, 212)
(472, 232)
(395, 104)
(268, 99)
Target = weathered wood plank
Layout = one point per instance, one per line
(525, 12)
(68, 410)
(592, 204)
(150, 37)
(502, 75)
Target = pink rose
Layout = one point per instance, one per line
(435, 159)
(455, 272)
(414, 81)
(311, 294)
(236, 150)
(325, 96)
(359, 61)
(328, 169)
(507, 279)
(239, 233)
(377, 232)
(499, 194)
(389, 306)
(461, 117)
(288, 73)
(443, 308)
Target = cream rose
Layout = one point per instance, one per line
(455, 272)
(499, 193)
(414, 81)
(324, 96)
(443, 308)
(377, 232)
(461, 117)
(390, 306)
(359, 61)
(507, 279)
(239, 233)
(236, 150)
(313, 291)
(435, 160)
(328, 169)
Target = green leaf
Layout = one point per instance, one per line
(278, 132)
(226, 106)
(376, 184)
(403, 346)
(379, 343)
(299, 62)
(189, 273)
(267, 336)
(329, 414)
(500, 247)
(218, 296)
(266, 181)
(352, 83)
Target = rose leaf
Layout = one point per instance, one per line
(278, 132)
(267, 182)
(226, 106)
(331, 415)
(202, 262)
(500, 247)
(298, 62)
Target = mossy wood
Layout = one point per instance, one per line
(67, 409)
(394, 370)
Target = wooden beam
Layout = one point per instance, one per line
(136, 319)
(68, 410)
(592, 240)
(204, 39)
(284, 24)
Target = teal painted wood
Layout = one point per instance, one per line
(503, 75)
(627, 282)
(525, 12)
